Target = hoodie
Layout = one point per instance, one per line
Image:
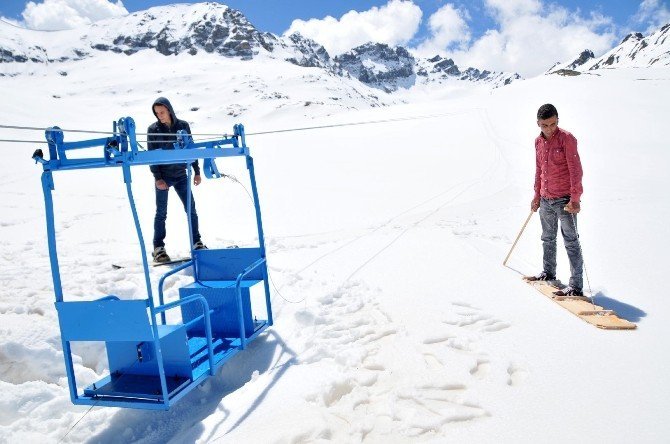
(162, 137)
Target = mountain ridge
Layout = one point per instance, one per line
(215, 28)
(634, 51)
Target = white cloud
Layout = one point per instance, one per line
(67, 14)
(447, 26)
(652, 13)
(394, 23)
(531, 35)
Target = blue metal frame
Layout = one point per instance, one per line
(130, 327)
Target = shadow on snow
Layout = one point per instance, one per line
(185, 417)
(625, 311)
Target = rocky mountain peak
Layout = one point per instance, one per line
(635, 51)
(217, 29)
(379, 65)
(173, 29)
(308, 52)
(170, 30)
(584, 57)
(632, 36)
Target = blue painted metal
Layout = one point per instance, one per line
(154, 364)
(161, 282)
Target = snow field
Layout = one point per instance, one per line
(394, 318)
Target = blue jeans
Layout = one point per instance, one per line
(551, 211)
(180, 185)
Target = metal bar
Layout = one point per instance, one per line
(162, 281)
(162, 157)
(183, 155)
(257, 207)
(138, 229)
(84, 144)
(111, 297)
(47, 187)
(208, 327)
(194, 321)
(127, 178)
(261, 237)
(268, 303)
(69, 370)
(238, 290)
(189, 200)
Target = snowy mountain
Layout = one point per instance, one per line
(634, 51)
(217, 29)
(170, 30)
(389, 69)
(380, 66)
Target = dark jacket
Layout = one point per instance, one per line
(162, 137)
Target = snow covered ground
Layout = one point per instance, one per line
(395, 320)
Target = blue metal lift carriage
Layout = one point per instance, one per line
(153, 364)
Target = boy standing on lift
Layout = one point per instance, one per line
(162, 135)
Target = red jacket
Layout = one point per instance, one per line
(558, 170)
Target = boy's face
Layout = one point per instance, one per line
(163, 114)
(548, 126)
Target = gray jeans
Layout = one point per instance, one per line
(551, 211)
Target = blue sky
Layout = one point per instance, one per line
(276, 15)
(513, 35)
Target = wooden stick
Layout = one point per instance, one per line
(517, 238)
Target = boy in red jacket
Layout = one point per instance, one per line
(558, 189)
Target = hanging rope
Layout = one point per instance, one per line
(579, 243)
(251, 200)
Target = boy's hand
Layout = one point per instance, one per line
(572, 207)
(534, 205)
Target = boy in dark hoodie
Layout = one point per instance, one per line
(162, 135)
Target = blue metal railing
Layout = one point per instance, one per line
(238, 291)
(208, 326)
(161, 282)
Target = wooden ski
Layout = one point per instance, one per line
(582, 307)
(177, 261)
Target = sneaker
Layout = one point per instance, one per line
(544, 276)
(199, 246)
(569, 291)
(160, 255)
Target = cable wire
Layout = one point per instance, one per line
(251, 199)
(339, 125)
(22, 141)
(36, 128)
(258, 133)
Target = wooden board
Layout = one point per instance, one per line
(171, 262)
(582, 307)
(152, 264)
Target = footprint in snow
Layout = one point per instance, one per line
(481, 369)
(517, 374)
